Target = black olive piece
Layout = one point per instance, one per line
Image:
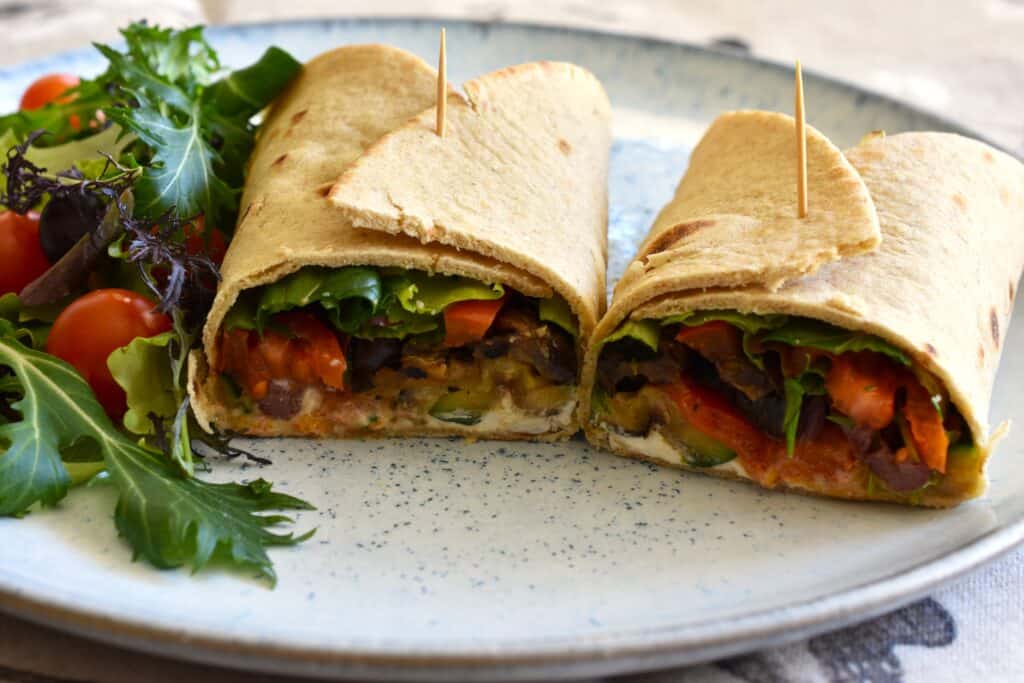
(367, 356)
(65, 219)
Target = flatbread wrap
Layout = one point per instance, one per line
(868, 379)
(324, 325)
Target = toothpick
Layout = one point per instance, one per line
(442, 90)
(801, 146)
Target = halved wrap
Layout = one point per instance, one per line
(323, 327)
(869, 379)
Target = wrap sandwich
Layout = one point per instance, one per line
(853, 376)
(331, 321)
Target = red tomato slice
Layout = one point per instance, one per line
(310, 354)
(714, 416)
(21, 257)
(926, 428)
(863, 386)
(93, 327)
(468, 321)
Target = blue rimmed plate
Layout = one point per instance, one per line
(439, 558)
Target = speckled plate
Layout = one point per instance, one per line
(441, 559)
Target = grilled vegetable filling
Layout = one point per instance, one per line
(360, 349)
(792, 400)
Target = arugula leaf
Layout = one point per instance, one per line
(819, 335)
(169, 519)
(794, 394)
(556, 310)
(31, 470)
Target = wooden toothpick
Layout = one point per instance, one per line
(801, 146)
(442, 90)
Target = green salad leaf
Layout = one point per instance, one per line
(819, 335)
(647, 332)
(199, 134)
(747, 322)
(169, 519)
(348, 294)
(427, 294)
(556, 310)
(143, 369)
(360, 300)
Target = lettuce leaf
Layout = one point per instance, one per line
(349, 295)
(556, 311)
(426, 294)
(362, 301)
(748, 322)
(647, 332)
(143, 369)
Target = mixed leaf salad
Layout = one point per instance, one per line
(117, 199)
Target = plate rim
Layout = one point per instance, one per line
(608, 653)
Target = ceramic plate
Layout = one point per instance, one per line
(437, 558)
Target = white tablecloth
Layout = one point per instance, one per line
(965, 59)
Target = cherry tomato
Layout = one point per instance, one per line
(21, 257)
(196, 241)
(92, 327)
(46, 89)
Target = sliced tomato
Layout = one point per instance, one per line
(713, 415)
(468, 321)
(317, 345)
(863, 385)
(297, 347)
(926, 428)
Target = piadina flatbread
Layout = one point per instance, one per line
(867, 379)
(386, 281)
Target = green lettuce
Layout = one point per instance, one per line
(556, 311)
(647, 332)
(422, 293)
(143, 370)
(362, 301)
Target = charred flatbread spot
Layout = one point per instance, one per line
(675, 234)
(960, 201)
(297, 116)
(981, 355)
(564, 146)
(993, 319)
(280, 160)
(987, 156)
(931, 350)
(324, 190)
(248, 208)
